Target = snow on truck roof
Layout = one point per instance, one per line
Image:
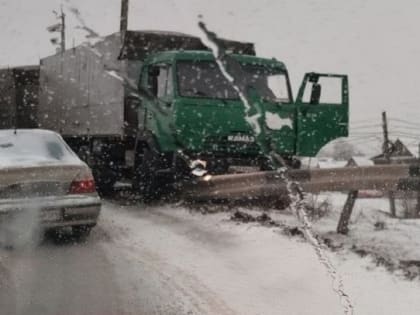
(139, 44)
(207, 55)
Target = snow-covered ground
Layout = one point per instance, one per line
(252, 269)
(392, 242)
(241, 269)
(173, 259)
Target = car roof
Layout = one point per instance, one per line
(29, 147)
(26, 131)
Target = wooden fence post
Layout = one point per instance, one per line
(343, 223)
(387, 152)
(392, 207)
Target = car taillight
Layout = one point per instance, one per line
(82, 186)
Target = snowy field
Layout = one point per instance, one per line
(391, 242)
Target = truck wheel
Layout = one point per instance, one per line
(105, 180)
(84, 153)
(145, 181)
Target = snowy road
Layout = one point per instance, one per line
(165, 260)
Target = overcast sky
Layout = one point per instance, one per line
(376, 42)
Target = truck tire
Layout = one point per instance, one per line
(83, 153)
(145, 181)
(105, 180)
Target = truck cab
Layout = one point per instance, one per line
(195, 112)
(202, 114)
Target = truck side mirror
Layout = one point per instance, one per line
(315, 94)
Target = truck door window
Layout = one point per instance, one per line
(328, 88)
(277, 83)
(169, 87)
(160, 80)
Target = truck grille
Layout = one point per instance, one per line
(222, 144)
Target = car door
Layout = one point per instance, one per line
(322, 107)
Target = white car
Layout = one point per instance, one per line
(43, 181)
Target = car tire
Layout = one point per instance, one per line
(81, 232)
(55, 234)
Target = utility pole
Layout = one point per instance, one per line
(386, 152)
(124, 17)
(59, 28)
(418, 154)
(385, 145)
(418, 193)
(63, 30)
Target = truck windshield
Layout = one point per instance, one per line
(204, 79)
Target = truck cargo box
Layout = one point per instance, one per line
(19, 97)
(78, 96)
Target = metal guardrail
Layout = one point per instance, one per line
(270, 183)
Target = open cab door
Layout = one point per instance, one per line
(322, 107)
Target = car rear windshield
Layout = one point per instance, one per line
(204, 79)
(32, 147)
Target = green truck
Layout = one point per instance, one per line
(154, 106)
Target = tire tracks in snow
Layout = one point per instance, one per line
(188, 294)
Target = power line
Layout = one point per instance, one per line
(406, 128)
(361, 140)
(363, 121)
(365, 133)
(366, 127)
(406, 122)
(402, 135)
(410, 102)
(367, 123)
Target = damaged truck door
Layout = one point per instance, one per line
(322, 107)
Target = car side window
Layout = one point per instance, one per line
(55, 150)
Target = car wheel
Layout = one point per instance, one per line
(81, 232)
(58, 235)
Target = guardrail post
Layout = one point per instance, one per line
(392, 207)
(343, 223)
(417, 207)
(387, 150)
